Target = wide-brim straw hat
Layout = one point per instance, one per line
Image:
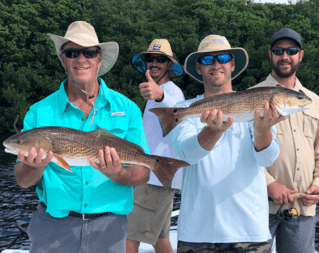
(83, 34)
(216, 43)
(158, 46)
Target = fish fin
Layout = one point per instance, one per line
(104, 132)
(165, 169)
(62, 162)
(167, 118)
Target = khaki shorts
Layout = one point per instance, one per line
(151, 215)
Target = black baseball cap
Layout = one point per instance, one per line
(286, 33)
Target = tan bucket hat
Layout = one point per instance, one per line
(216, 43)
(158, 46)
(83, 34)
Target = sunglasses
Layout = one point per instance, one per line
(159, 59)
(209, 59)
(75, 52)
(289, 50)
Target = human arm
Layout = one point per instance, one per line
(210, 134)
(262, 126)
(109, 161)
(29, 170)
(110, 166)
(280, 194)
(184, 136)
(150, 90)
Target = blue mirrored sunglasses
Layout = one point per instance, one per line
(209, 59)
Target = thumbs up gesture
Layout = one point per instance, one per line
(150, 90)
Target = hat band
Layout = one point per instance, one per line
(82, 36)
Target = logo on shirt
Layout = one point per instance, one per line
(117, 113)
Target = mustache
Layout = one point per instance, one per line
(284, 61)
(154, 67)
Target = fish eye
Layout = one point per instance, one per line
(19, 142)
(300, 97)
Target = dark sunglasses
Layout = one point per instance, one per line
(289, 50)
(75, 52)
(159, 59)
(209, 59)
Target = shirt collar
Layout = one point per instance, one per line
(271, 81)
(63, 100)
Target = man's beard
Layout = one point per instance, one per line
(279, 72)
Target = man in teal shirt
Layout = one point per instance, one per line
(84, 211)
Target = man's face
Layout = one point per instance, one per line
(216, 74)
(81, 69)
(285, 65)
(157, 70)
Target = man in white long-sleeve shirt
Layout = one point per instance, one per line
(151, 217)
(224, 202)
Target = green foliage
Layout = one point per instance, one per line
(30, 69)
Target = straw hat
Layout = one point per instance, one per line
(158, 46)
(216, 43)
(83, 34)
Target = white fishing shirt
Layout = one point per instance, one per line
(224, 196)
(153, 132)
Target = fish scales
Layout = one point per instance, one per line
(72, 147)
(79, 146)
(240, 105)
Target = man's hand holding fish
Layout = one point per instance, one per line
(262, 125)
(30, 169)
(214, 129)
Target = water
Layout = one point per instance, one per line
(17, 205)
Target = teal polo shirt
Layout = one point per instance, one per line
(86, 190)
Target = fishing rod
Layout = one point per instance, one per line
(291, 213)
(22, 232)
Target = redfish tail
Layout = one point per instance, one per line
(165, 169)
(167, 117)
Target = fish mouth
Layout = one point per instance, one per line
(10, 151)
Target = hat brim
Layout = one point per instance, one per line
(241, 62)
(138, 63)
(109, 50)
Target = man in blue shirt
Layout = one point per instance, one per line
(224, 194)
(84, 211)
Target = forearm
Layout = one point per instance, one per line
(27, 176)
(262, 140)
(133, 176)
(208, 137)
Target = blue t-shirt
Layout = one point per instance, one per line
(86, 190)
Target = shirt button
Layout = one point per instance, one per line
(297, 149)
(298, 169)
(294, 130)
(85, 205)
(82, 119)
(86, 182)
